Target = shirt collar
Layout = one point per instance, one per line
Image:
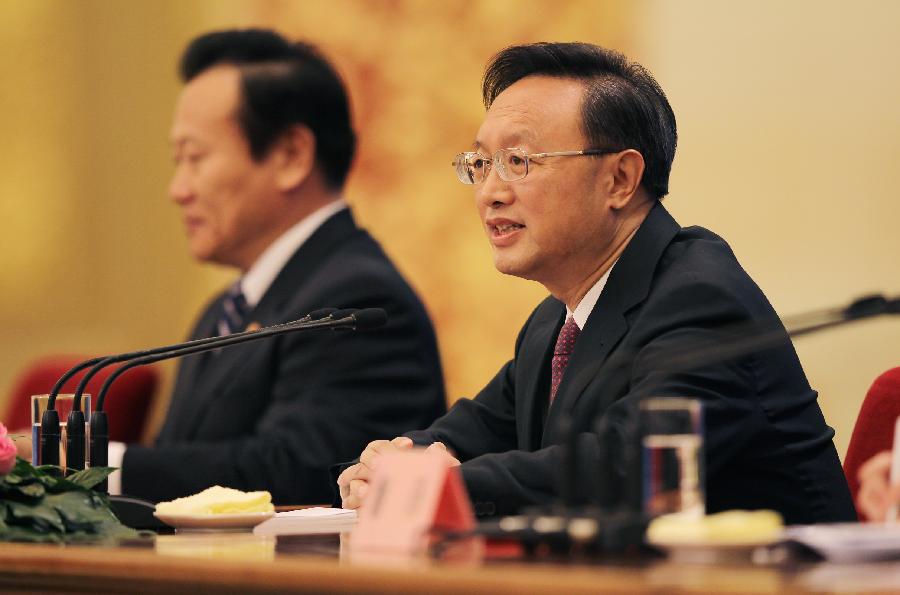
(587, 303)
(262, 273)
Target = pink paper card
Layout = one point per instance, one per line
(410, 494)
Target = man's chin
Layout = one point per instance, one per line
(202, 253)
(509, 266)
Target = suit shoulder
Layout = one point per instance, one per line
(699, 255)
(358, 273)
(700, 265)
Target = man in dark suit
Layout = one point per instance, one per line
(570, 165)
(263, 144)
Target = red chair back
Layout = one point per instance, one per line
(874, 429)
(127, 402)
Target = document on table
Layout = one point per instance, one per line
(307, 521)
(848, 542)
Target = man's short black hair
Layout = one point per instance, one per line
(282, 84)
(624, 107)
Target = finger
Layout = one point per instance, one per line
(356, 493)
(359, 488)
(872, 500)
(894, 493)
(347, 474)
(351, 502)
(437, 446)
(374, 450)
(877, 466)
(356, 471)
(402, 442)
(362, 472)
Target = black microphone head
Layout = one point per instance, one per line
(321, 313)
(894, 306)
(343, 313)
(369, 318)
(866, 307)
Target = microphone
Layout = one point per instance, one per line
(351, 319)
(617, 521)
(137, 513)
(368, 318)
(50, 423)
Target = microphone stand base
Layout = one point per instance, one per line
(137, 514)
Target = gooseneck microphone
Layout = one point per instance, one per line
(50, 422)
(76, 421)
(366, 319)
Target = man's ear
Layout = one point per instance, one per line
(626, 169)
(295, 157)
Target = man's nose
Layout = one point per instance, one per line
(494, 191)
(180, 187)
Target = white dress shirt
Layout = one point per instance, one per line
(587, 303)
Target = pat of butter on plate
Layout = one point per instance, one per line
(733, 527)
(218, 500)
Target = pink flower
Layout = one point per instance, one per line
(7, 452)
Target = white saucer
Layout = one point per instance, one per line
(706, 552)
(214, 522)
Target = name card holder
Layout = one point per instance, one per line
(411, 494)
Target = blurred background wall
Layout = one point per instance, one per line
(789, 136)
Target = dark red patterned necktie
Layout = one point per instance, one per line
(565, 343)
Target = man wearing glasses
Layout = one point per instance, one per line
(569, 168)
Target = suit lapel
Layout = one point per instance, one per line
(209, 377)
(303, 265)
(533, 372)
(628, 285)
(190, 372)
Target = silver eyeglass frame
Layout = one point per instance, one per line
(462, 161)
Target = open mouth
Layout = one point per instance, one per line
(505, 229)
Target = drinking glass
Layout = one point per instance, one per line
(63, 408)
(672, 440)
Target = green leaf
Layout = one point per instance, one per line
(26, 489)
(78, 511)
(23, 467)
(36, 516)
(39, 505)
(32, 490)
(88, 478)
(13, 479)
(47, 470)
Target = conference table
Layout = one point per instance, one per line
(241, 562)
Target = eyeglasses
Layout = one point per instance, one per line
(512, 164)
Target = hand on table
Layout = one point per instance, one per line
(354, 481)
(876, 496)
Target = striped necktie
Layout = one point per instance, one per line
(233, 318)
